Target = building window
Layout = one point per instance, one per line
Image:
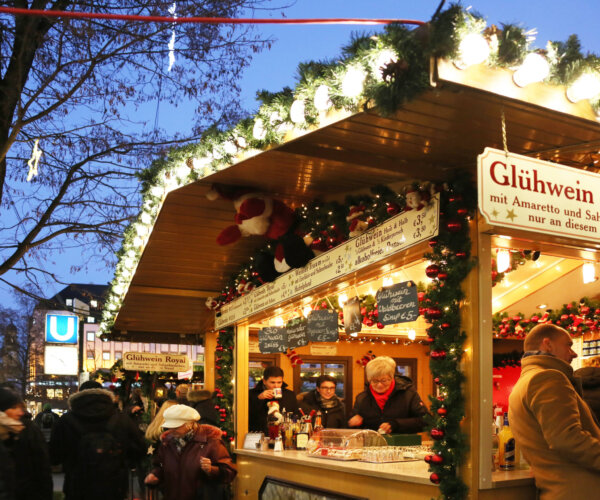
(90, 354)
(50, 393)
(118, 346)
(93, 303)
(173, 348)
(164, 347)
(118, 355)
(183, 349)
(69, 302)
(133, 347)
(91, 319)
(106, 355)
(91, 336)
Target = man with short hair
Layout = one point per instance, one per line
(324, 399)
(96, 445)
(551, 422)
(270, 388)
(181, 392)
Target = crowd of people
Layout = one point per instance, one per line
(389, 403)
(98, 442)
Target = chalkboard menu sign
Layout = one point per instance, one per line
(322, 326)
(296, 333)
(352, 316)
(397, 303)
(272, 339)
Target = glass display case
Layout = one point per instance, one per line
(365, 445)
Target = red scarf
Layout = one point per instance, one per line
(381, 398)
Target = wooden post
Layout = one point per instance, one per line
(240, 405)
(210, 343)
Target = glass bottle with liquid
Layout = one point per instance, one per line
(506, 447)
(318, 422)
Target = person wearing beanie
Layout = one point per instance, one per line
(202, 402)
(192, 463)
(45, 420)
(24, 464)
(97, 444)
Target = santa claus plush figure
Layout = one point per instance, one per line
(414, 200)
(356, 224)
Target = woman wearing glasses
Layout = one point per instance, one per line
(390, 404)
(323, 399)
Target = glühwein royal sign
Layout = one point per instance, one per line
(394, 235)
(526, 193)
(146, 361)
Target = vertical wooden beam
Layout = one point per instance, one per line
(210, 344)
(241, 361)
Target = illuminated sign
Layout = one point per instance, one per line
(60, 360)
(61, 329)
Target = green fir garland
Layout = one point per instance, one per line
(223, 381)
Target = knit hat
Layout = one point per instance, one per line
(9, 399)
(178, 415)
(90, 384)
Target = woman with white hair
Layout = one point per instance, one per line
(192, 463)
(390, 404)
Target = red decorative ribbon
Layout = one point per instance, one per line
(198, 20)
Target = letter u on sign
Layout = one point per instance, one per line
(61, 329)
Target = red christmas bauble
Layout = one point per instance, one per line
(429, 340)
(445, 326)
(442, 412)
(454, 226)
(462, 211)
(433, 242)
(585, 310)
(535, 319)
(437, 434)
(369, 322)
(461, 255)
(380, 325)
(437, 380)
(392, 209)
(442, 276)
(437, 459)
(439, 354)
(363, 311)
(324, 305)
(428, 458)
(432, 270)
(421, 296)
(434, 312)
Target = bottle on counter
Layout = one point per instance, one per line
(318, 422)
(304, 433)
(506, 447)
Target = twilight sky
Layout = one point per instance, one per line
(276, 68)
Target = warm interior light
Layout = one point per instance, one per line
(384, 57)
(589, 272)
(297, 111)
(322, 101)
(342, 299)
(535, 68)
(585, 87)
(353, 82)
(412, 335)
(388, 281)
(473, 49)
(542, 306)
(278, 321)
(307, 311)
(502, 260)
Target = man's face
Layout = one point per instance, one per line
(273, 382)
(16, 412)
(326, 389)
(561, 347)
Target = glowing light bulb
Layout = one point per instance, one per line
(258, 131)
(412, 335)
(388, 281)
(141, 229)
(278, 321)
(385, 57)
(473, 49)
(138, 242)
(585, 87)
(307, 311)
(353, 82)
(503, 260)
(146, 218)
(342, 299)
(322, 101)
(157, 191)
(230, 148)
(274, 118)
(535, 68)
(297, 112)
(589, 272)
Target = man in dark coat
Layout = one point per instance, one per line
(45, 420)
(390, 404)
(96, 445)
(270, 388)
(324, 399)
(24, 464)
(202, 402)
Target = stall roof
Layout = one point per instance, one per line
(443, 129)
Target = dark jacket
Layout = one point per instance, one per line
(257, 408)
(180, 475)
(332, 418)
(28, 456)
(403, 410)
(590, 380)
(203, 403)
(45, 420)
(93, 411)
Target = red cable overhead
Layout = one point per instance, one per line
(198, 20)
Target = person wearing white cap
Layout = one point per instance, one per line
(192, 463)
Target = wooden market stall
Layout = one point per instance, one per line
(439, 132)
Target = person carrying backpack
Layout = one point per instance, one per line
(45, 420)
(96, 445)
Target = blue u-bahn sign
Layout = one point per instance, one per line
(61, 329)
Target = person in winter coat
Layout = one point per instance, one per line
(191, 463)
(271, 387)
(551, 423)
(203, 403)
(45, 420)
(24, 464)
(390, 404)
(324, 399)
(590, 380)
(96, 445)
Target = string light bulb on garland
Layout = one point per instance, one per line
(321, 100)
(535, 68)
(297, 112)
(353, 82)
(587, 86)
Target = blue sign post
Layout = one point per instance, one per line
(61, 329)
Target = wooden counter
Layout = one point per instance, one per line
(374, 481)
